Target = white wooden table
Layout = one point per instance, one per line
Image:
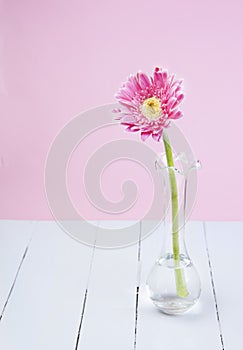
(58, 294)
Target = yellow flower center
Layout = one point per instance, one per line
(151, 108)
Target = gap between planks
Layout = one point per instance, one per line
(17, 273)
(137, 288)
(213, 287)
(86, 294)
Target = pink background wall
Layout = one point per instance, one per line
(59, 58)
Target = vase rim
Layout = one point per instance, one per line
(193, 165)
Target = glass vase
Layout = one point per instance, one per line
(173, 283)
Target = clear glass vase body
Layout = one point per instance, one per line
(173, 283)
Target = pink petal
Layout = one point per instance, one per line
(175, 114)
(127, 123)
(126, 103)
(158, 80)
(164, 75)
(180, 98)
(177, 101)
(134, 81)
(129, 119)
(145, 135)
(116, 110)
(131, 88)
(126, 94)
(135, 128)
(171, 102)
(144, 80)
(178, 90)
(157, 136)
(132, 129)
(172, 77)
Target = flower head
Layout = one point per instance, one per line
(149, 103)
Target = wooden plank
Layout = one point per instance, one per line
(109, 319)
(225, 242)
(197, 329)
(47, 302)
(57, 303)
(14, 241)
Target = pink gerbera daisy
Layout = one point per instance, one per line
(149, 103)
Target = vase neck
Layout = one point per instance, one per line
(167, 241)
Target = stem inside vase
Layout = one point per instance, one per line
(179, 273)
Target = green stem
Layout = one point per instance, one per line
(179, 273)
